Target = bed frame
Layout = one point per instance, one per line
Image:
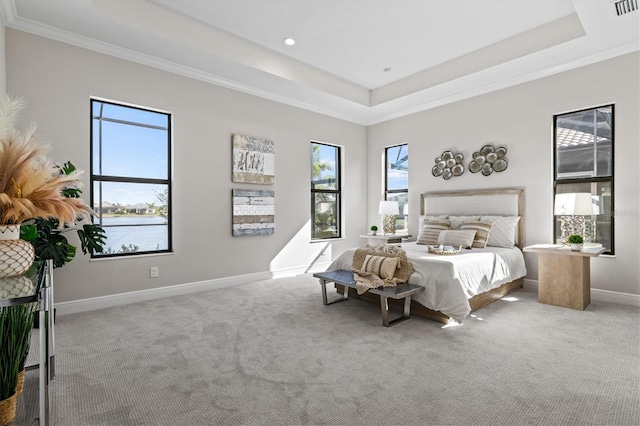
(495, 202)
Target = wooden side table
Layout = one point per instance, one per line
(564, 276)
(385, 238)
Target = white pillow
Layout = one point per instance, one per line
(456, 221)
(457, 238)
(503, 232)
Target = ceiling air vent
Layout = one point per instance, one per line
(625, 6)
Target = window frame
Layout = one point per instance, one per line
(337, 192)
(388, 191)
(97, 178)
(586, 180)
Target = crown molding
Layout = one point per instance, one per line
(308, 98)
(426, 104)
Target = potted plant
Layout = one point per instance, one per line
(48, 239)
(15, 331)
(374, 230)
(33, 190)
(575, 241)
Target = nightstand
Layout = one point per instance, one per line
(564, 276)
(385, 238)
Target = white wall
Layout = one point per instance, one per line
(3, 60)
(56, 80)
(521, 118)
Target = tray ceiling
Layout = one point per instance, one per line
(361, 61)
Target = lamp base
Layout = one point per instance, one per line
(389, 224)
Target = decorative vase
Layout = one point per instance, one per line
(8, 410)
(16, 255)
(576, 247)
(19, 286)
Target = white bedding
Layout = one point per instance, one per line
(450, 280)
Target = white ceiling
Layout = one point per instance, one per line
(439, 51)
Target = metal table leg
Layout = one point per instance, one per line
(407, 306)
(325, 300)
(51, 324)
(43, 389)
(384, 309)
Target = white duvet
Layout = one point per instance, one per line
(451, 280)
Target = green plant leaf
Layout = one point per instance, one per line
(575, 239)
(16, 323)
(71, 192)
(28, 232)
(51, 244)
(92, 237)
(68, 168)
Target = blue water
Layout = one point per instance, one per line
(152, 236)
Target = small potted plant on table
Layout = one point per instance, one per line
(575, 241)
(374, 230)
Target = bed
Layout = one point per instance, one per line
(456, 285)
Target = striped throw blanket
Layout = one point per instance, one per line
(380, 266)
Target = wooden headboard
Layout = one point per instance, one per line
(496, 202)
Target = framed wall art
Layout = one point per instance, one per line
(253, 212)
(253, 160)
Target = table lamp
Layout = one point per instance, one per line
(389, 210)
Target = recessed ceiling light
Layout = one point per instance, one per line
(289, 41)
(386, 69)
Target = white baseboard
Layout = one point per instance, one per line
(93, 303)
(601, 295)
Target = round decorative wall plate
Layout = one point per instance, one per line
(448, 165)
(457, 170)
(489, 159)
(500, 165)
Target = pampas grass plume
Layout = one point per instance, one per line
(30, 184)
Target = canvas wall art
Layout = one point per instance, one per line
(253, 160)
(253, 212)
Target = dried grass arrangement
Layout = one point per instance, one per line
(31, 185)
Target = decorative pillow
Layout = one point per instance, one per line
(457, 221)
(503, 233)
(431, 230)
(384, 267)
(483, 230)
(430, 218)
(457, 238)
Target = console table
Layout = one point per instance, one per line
(564, 276)
(42, 294)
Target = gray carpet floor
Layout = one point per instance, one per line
(269, 353)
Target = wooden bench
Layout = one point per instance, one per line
(345, 278)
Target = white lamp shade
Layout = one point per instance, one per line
(574, 204)
(389, 207)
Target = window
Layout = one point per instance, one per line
(130, 171)
(583, 157)
(396, 178)
(325, 191)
